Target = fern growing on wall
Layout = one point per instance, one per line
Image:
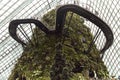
(39, 62)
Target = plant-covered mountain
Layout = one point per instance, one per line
(63, 57)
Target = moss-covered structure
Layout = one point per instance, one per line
(64, 58)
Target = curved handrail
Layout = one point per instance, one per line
(14, 24)
(60, 19)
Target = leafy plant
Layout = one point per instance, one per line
(39, 62)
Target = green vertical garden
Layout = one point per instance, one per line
(60, 58)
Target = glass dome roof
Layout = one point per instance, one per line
(10, 50)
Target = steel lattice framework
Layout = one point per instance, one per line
(10, 50)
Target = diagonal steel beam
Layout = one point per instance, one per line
(16, 11)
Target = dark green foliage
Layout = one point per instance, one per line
(62, 58)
